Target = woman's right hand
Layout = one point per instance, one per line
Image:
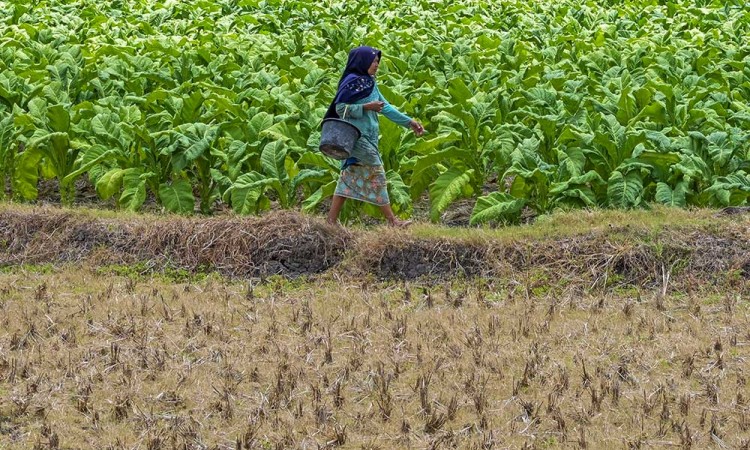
(376, 106)
(416, 127)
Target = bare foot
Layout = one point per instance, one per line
(396, 223)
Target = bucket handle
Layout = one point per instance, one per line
(343, 117)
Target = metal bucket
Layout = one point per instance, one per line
(337, 138)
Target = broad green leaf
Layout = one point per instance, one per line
(26, 174)
(731, 190)
(238, 154)
(431, 159)
(310, 176)
(245, 193)
(191, 108)
(316, 159)
(578, 197)
(314, 78)
(192, 140)
(59, 118)
(661, 162)
(427, 146)
(590, 178)
(221, 182)
(671, 197)
(177, 197)
(720, 148)
(624, 191)
(571, 162)
(398, 192)
(459, 91)
(656, 111)
(390, 143)
(449, 187)
(542, 97)
(392, 97)
(272, 160)
(497, 207)
(91, 158)
(324, 192)
(109, 184)
(134, 189)
(290, 169)
(573, 138)
(285, 132)
(626, 106)
(107, 128)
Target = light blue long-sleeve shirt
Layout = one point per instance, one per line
(366, 147)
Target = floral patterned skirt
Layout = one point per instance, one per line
(365, 183)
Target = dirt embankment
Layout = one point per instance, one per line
(291, 244)
(282, 243)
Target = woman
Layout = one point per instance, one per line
(358, 101)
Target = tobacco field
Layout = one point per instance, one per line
(530, 106)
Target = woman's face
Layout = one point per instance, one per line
(374, 66)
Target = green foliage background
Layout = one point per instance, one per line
(528, 105)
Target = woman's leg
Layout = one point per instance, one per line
(336, 204)
(392, 219)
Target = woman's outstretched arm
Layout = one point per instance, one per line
(393, 114)
(397, 117)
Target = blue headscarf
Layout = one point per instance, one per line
(355, 83)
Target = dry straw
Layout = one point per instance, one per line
(291, 244)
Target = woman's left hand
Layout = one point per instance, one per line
(416, 127)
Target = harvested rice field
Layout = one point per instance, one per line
(648, 346)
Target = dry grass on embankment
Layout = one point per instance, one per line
(642, 248)
(586, 331)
